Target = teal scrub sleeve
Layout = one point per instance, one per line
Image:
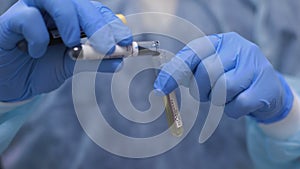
(271, 153)
(12, 117)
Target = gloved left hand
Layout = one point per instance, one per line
(43, 69)
(229, 62)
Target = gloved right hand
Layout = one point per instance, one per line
(230, 62)
(43, 69)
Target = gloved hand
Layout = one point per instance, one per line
(43, 68)
(252, 86)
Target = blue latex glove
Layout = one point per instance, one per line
(253, 87)
(45, 68)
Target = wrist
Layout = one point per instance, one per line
(286, 127)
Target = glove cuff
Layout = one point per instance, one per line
(287, 103)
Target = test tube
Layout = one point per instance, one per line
(173, 114)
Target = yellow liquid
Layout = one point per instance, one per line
(173, 114)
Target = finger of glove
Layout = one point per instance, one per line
(200, 85)
(208, 72)
(271, 96)
(24, 22)
(240, 75)
(94, 25)
(216, 85)
(211, 70)
(121, 32)
(65, 16)
(179, 70)
(245, 103)
(230, 85)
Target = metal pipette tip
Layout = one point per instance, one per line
(148, 48)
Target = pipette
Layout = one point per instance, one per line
(141, 48)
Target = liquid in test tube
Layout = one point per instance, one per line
(173, 114)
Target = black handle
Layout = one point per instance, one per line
(55, 39)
